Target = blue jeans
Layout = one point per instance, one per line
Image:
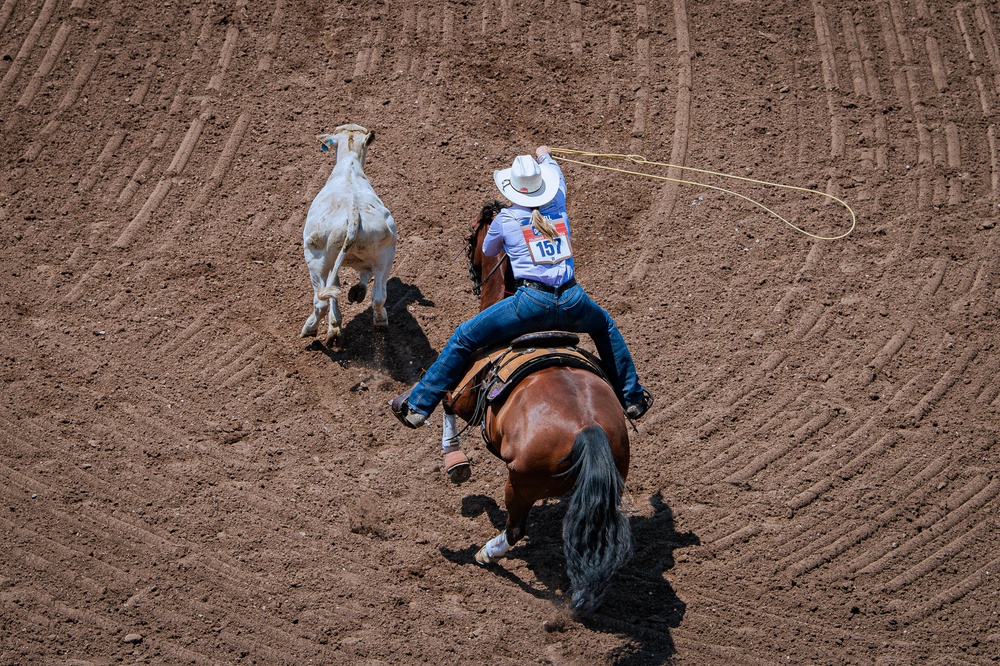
(529, 311)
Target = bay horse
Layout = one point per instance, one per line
(561, 431)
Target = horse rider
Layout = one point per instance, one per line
(535, 233)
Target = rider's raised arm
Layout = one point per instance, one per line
(546, 158)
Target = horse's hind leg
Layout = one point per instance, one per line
(517, 518)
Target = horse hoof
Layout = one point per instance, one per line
(457, 465)
(483, 558)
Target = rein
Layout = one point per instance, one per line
(477, 287)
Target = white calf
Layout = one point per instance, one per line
(347, 225)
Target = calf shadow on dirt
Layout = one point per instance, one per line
(403, 351)
(640, 603)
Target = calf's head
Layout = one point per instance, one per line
(347, 139)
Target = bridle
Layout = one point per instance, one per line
(486, 216)
(477, 284)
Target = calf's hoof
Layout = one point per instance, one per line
(333, 337)
(356, 294)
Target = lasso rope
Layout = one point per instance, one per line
(639, 159)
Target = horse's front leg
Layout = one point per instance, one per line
(517, 518)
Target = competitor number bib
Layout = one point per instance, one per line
(545, 251)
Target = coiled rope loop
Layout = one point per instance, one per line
(639, 159)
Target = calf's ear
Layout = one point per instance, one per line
(370, 138)
(327, 141)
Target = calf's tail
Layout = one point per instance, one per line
(332, 288)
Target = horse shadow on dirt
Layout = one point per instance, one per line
(403, 351)
(640, 603)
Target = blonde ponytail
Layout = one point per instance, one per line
(543, 226)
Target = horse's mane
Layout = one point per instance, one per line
(486, 214)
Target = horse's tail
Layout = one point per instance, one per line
(332, 288)
(597, 537)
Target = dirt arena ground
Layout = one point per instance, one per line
(184, 480)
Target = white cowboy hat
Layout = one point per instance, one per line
(528, 183)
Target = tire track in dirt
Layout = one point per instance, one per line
(948, 154)
(979, 38)
(666, 198)
(958, 511)
(270, 40)
(800, 554)
(874, 146)
(138, 95)
(81, 563)
(870, 561)
(734, 461)
(100, 531)
(951, 376)
(130, 186)
(44, 558)
(853, 466)
(64, 613)
(162, 189)
(987, 93)
(6, 10)
(45, 67)
(977, 579)
(96, 172)
(27, 46)
(760, 624)
(190, 616)
(188, 144)
(228, 49)
(48, 523)
(220, 170)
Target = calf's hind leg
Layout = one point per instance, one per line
(333, 330)
(379, 291)
(319, 307)
(356, 294)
